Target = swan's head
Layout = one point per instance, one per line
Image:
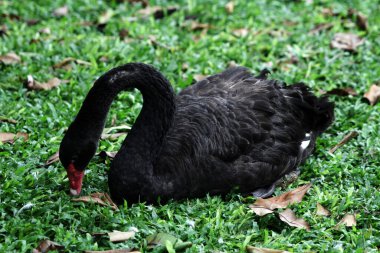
(75, 154)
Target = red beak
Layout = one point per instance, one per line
(75, 179)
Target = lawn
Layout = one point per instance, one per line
(34, 200)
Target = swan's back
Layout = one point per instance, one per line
(236, 130)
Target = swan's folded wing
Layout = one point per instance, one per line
(219, 84)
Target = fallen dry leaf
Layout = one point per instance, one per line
(10, 58)
(289, 217)
(103, 154)
(361, 21)
(102, 199)
(46, 246)
(32, 22)
(345, 139)
(144, 3)
(373, 95)
(346, 41)
(60, 12)
(199, 77)
(321, 27)
(10, 137)
(322, 211)
(67, 63)
(242, 32)
(12, 121)
(119, 236)
(252, 249)
(31, 84)
(158, 12)
(264, 206)
(348, 220)
(45, 30)
(342, 92)
(52, 159)
(230, 6)
(105, 17)
(196, 26)
(123, 33)
(3, 30)
(112, 251)
(329, 12)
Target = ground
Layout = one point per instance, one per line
(34, 203)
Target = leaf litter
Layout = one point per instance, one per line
(290, 218)
(46, 246)
(265, 206)
(67, 63)
(322, 211)
(348, 220)
(346, 41)
(10, 58)
(100, 198)
(32, 84)
(373, 94)
(11, 137)
(251, 249)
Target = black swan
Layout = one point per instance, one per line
(229, 131)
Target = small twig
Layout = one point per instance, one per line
(12, 121)
(345, 139)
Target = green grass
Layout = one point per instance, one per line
(346, 182)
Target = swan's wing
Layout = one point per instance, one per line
(220, 84)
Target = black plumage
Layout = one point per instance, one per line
(231, 130)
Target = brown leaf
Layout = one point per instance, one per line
(105, 17)
(199, 77)
(196, 26)
(322, 211)
(144, 3)
(102, 199)
(32, 22)
(45, 30)
(348, 220)
(321, 27)
(113, 251)
(31, 84)
(252, 249)
(289, 217)
(3, 30)
(123, 33)
(103, 154)
(373, 95)
(342, 92)
(158, 12)
(346, 41)
(264, 206)
(66, 63)
(345, 139)
(118, 236)
(10, 58)
(61, 11)
(229, 7)
(328, 12)
(10, 137)
(112, 136)
(52, 159)
(242, 32)
(361, 21)
(46, 246)
(12, 121)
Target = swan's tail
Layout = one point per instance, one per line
(318, 113)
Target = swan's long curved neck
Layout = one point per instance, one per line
(146, 136)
